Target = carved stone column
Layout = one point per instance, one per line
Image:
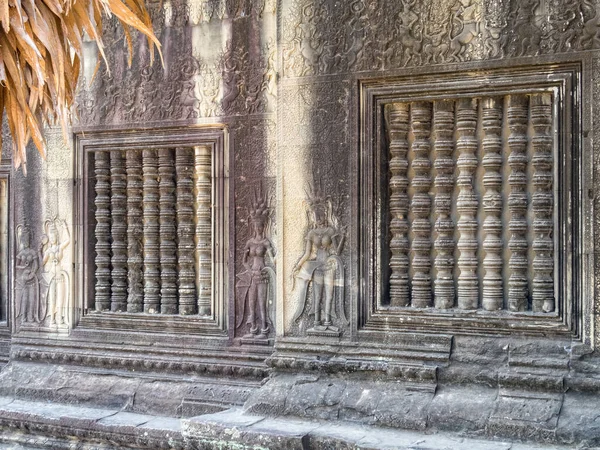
(493, 294)
(443, 129)
(118, 202)
(135, 231)
(184, 166)
(103, 248)
(151, 232)
(398, 126)
(467, 204)
(203, 237)
(168, 232)
(542, 293)
(421, 205)
(517, 202)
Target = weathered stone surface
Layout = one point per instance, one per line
(352, 215)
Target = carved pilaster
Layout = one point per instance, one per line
(203, 237)
(184, 167)
(168, 232)
(118, 230)
(443, 129)
(103, 247)
(493, 294)
(467, 203)
(135, 231)
(421, 205)
(542, 292)
(151, 232)
(398, 126)
(517, 202)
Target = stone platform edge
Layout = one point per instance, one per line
(33, 425)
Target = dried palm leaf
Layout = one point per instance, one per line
(41, 45)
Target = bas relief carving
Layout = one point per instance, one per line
(42, 283)
(28, 305)
(232, 80)
(315, 112)
(320, 268)
(256, 285)
(55, 279)
(193, 88)
(180, 13)
(408, 33)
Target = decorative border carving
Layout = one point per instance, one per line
(592, 316)
(236, 79)
(180, 12)
(136, 363)
(386, 34)
(411, 373)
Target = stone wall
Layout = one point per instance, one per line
(368, 261)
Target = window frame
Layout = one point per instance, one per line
(566, 79)
(86, 143)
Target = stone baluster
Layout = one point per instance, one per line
(103, 224)
(135, 231)
(493, 294)
(203, 235)
(467, 203)
(168, 232)
(443, 129)
(151, 232)
(542, 292)
(517, 202)
(398, 127)
(184, 167)
(421, 205)
(118, 231)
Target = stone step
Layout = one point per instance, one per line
(31, 425)
(233, 427)
(44, 425)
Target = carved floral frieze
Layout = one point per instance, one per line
(387, 34)
(594, 315)
(315, 113)
(232, 80)
(178, 13)
(190, 89)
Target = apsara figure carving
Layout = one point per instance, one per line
(256, 285)
(55, 280)
(28, 304)
(321, 265)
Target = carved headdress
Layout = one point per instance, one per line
(23, 235)
(315, 201)
(259, 210)
(51, 226)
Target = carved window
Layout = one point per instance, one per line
(153, 228)
(476, 189)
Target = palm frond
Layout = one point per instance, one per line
(41, 45)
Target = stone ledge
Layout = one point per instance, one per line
(556, 418)
(139, 392)
(28, 425)
(50, 425)
(234, 428)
